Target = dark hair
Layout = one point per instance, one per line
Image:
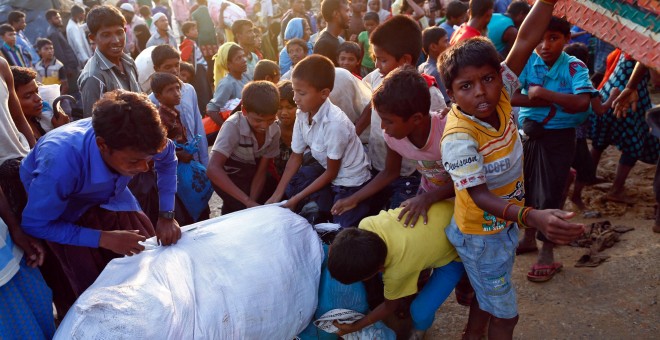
(350, 47)
(275, 27)
(477, 52)
(372, 16)
(160, 80)
(77, 10)
(399, 36)
(184, 66)
(6, 28)
(146, 11)
(479, 8)
(316, 70)
(163, 52)
(104, 16)
(187, 26)
(518, 7)
(41, 42)
(233, 50)
(578, 50)
(51, 13)
(128, 120)
(456, 8)
(15, 16)
(405, 6)
(286, 91)
(403, 92)
(329, 7)
(265, 68)
(432, 35)
(238, 26)
(261, 97)
(559, 25)
(22, 75)
(356, 254)
(299, 42)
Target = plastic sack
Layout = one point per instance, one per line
(376, 331)
(145, 68)
(192, 185)
(232, 13)
(252, 274)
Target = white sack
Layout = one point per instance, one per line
(253, 274)
(351, 96)
(145, 68)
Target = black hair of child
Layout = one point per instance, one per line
(316, 70)
(351, 47)
(160, 80)
(261, 97)
(479, 8)
(559, 25)
(456, 9)
(286, 91)
(41, 42)
(22, 75)
(163, 52)
(299, 42)
(188, 67)
(265, 68)
(187, 26)
(77, 10)
(128, 120)
(6, 28)
(104, 16)
(355, 255)
(578, 50)
(403, 93)
(329, 7)
(475, 52)
(398, 36)
(432, 35)
(371, 16)
(518, 7)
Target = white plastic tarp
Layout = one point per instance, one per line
(253, 274)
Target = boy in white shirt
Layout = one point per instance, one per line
(329, 134)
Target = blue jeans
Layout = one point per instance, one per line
(401, 189)
(352, 217)
(435, 292)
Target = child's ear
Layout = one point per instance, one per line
(325, 93)
(407, 59)
(243, 110)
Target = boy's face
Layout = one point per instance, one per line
(171, 95)
(287, 113)
(385, 62)
(298, 6)
(9, 38)
(110, 41)
(374, 5)
(457, 21)
(476, 90)
(307, 97)
(127, 162)
(551, 46)
(296, 53)
(395, 126)
(370, 25)
(47, 52)
(259, 124)
(186, 76)
(238, 64)
(28, 96)
(192, 33)
(172, 66)
(358, 6)
(440, 46)
(348, 61)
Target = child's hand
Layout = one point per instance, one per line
(353, 38)
(626, 100)
(167, 231)
(343, 205)
(33, 248)
(535, 92)
(184, 157)
(59, 120)
(275, 198)
(345, 328)
(414, 208)
(122, 242)
(291, 204)
(552, 223)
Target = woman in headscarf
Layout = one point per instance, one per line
(296, 28)
(230, 77)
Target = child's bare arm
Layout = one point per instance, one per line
(14, 104)
(364, 120)
(420, 204)
(571, 103)
(417, 9)
(529, 35)
(326, 178)
(385, 309)
(292, 166)
(551, 222)
(391, 171)
(600, 108)
(259, 179)
(218, 175)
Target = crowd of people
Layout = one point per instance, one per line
(475, 124)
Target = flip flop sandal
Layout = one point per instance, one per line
(551, 269)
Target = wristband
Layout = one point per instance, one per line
(505, 209)
(525, 213)
(520, 217)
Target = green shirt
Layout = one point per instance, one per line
(363, 39)
(205, 26)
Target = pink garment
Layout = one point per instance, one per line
(181, 10)
(428, 159)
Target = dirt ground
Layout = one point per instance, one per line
(616, 300)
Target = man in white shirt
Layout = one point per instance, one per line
(75, 34)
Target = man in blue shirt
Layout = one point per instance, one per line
(76, 179)
(456, 15)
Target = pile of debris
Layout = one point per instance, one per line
(598, 237)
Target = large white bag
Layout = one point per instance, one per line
(253, 274)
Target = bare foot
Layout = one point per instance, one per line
(577, 201)
(528, 243)
(620, 198)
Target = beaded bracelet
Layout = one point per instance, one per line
(525, 214)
